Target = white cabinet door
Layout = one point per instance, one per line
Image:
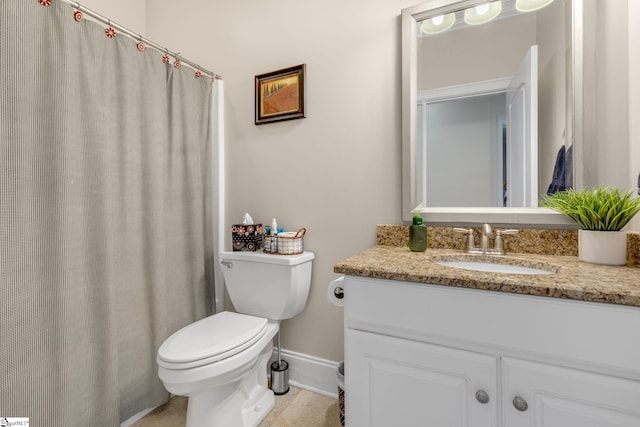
(563, 397)
(398, 382)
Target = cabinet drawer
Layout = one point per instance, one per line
(538, 328)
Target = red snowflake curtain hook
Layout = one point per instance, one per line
(165, 58)
(109, 32)
(45, 2)
(198, 74)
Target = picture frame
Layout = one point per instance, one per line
(280, 95)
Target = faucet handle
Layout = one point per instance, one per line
(471, 244)
(498, 247)
(507, 231)
(462, 230)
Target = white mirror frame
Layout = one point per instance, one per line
(515, 217)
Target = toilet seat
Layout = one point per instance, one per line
(211, 339)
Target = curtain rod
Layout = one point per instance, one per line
(139, 37)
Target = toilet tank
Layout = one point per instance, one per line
(272, 286)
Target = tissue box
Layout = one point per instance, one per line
(247, 237)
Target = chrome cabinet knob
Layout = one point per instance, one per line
(520, 404)
(482, 396)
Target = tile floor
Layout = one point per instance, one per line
(297, 408)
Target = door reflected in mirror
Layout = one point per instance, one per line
(465, 142)
(493, 106)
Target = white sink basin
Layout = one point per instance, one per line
(493, 268)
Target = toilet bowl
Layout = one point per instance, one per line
(220, 362)
(221, 373)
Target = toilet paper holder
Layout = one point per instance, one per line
(338, 292)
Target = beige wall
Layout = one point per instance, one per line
(128, 13)
(612, 123)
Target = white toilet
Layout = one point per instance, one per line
(220, 362)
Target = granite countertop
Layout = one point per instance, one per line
(572, 279)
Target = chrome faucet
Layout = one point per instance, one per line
(484, 239)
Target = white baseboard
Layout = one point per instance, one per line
(310, 372)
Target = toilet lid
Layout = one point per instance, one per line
(210, 339)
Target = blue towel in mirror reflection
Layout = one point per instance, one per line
(562, 171)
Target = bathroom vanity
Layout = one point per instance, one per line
(431, 345)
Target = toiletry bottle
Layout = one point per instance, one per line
(274, 227)
(418, 234)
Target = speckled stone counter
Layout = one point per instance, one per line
(572, 279)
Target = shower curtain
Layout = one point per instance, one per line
(105, 215)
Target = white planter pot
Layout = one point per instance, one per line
(602, 247)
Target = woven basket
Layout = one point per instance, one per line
(284, 244)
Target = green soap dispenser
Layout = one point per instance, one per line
(417, 234)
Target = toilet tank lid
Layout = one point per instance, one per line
(267, 258)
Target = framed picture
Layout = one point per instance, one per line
(280, 95)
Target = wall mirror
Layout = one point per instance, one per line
(488, 107)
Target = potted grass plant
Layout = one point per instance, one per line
(601, 213)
